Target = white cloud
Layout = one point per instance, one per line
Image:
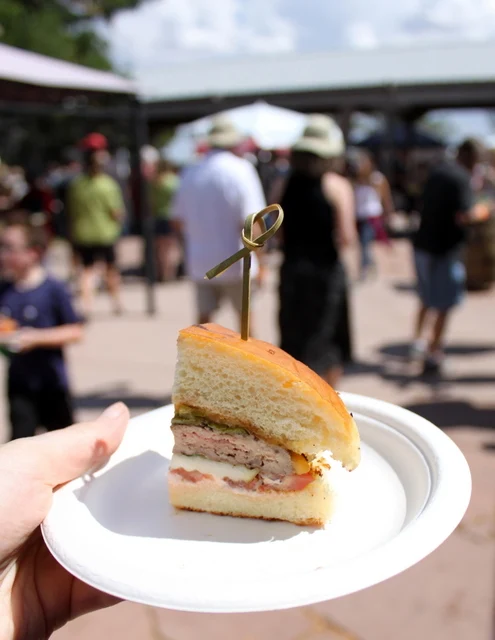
(166, 31)
(451, 20)
(361, 35)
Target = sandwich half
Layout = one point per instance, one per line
(253, 430)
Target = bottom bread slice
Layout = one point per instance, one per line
(311, 506)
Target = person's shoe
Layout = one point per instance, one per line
(434, 364)
(417, 350)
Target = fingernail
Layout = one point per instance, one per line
(113, 412)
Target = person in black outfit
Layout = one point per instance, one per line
(447, 205)
(318, 221)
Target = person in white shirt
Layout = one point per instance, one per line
(373, 201)
(214, 198)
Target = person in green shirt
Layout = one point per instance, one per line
(95, 209)
(163, 188)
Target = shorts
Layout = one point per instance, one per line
(209, 296)
(52, 409)
(440, 279)
(91, 254)
(163, 227)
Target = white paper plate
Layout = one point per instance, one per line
(118, 532)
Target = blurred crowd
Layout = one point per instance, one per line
(333, 198)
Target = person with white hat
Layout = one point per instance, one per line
(214, 199)
(319, 221)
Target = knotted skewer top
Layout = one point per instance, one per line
(250, 244)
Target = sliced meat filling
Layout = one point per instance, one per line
(233, 447)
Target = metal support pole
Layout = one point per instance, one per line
(344, 120)
(388, 151)
(392, 116)
(140, 138)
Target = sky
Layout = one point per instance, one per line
(162, 32)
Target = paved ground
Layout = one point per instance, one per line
(450, 595)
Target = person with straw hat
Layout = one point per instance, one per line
(319, 222)
(214, 199)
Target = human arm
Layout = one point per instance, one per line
(177, 217)
(479, 212)
(37, 595)
(66, 323)
(386, 197)
(467, 210)
(338, 192)
(275, 196)
(115, 200)
(117, 214)
(277, 190)
(178, 205)
(30, 338)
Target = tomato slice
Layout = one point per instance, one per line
(290, 483)
(191, 476)
(298, 483)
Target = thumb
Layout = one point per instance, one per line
(60, 456)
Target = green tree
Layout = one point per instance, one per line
(64, 29)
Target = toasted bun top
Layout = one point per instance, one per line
(257, 385)
(273, 357)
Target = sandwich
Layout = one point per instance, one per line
(255, 431)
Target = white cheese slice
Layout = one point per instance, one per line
(237, 473)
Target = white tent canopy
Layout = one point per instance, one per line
(17, 65)
(268, 126)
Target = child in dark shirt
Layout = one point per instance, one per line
(38, 385)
